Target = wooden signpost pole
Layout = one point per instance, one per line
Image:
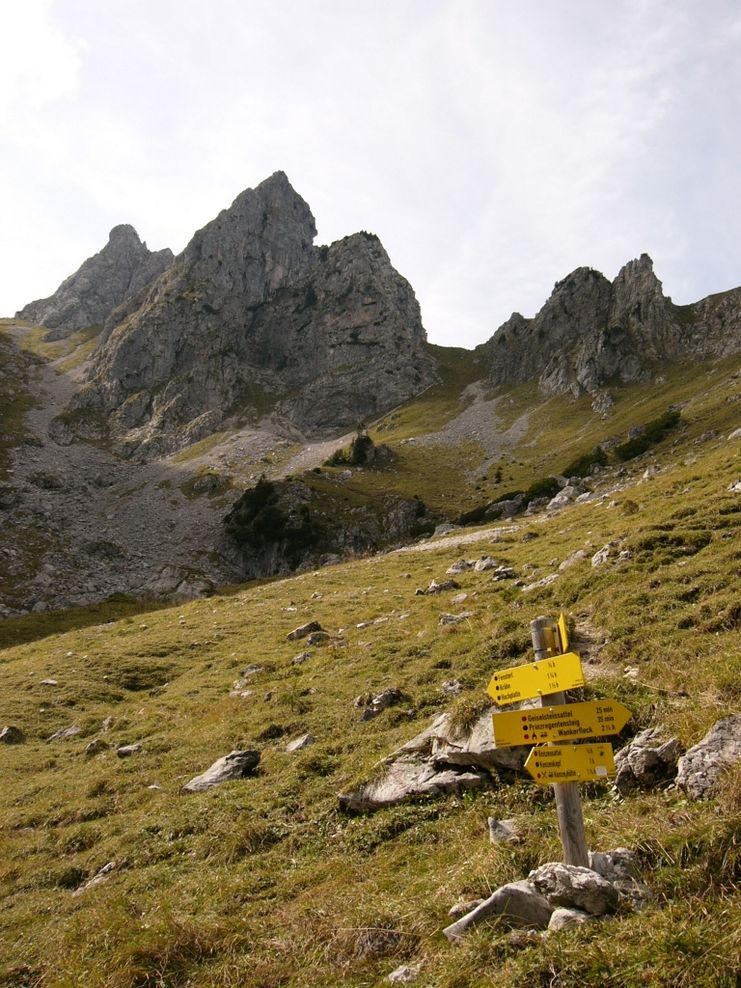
(546, 642)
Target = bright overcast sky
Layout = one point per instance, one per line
(492, 145)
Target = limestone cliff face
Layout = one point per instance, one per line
(592, 332)
(252, 309)
(122, 269)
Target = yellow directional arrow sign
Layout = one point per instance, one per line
(570, 763)
(562, 672)
(563, 632)
(569, 721)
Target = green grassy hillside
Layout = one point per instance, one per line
(263, 881)
(541, 436)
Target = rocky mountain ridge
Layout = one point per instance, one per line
(592, 332)
(251, 315)
(118, 272)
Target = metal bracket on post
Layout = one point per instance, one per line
(547, 642)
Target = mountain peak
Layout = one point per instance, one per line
(124, 233)
(333, 334)
(591, 331)
(104, 281)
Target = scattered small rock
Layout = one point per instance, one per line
(614, 865)
(460, 567)
(503, 573)
(485, 563)
(541, 584)
(459, 598)
(317, 638)
(374, 705)
(452, 687)
(101, 876)
(304, 630)
(298, 744)
(572, 560)
(503, 831)
(580, 888)
(126, 750)
(250, 671)
(602, 555)
(701, 770)
(49, 682)
(455, 618)
(302, 657)
(65, 732)
(96, 746)
(403, 975)
(436, 587)
(563, 918)
(12, 735)
(235, 765)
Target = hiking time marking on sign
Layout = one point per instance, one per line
(566, 722)
(552, 675)
(570, 763)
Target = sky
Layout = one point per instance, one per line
(493, 146)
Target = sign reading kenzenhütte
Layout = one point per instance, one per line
(562, 672)
(570, 763)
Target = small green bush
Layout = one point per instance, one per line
(357, 455)
(582, 465)
(652, 434)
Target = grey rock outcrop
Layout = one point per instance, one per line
(127, 750)
(442, 758)
(646, 761)
(280, 526)
(303, 630)
(516, 904)
(591, 332)
(408, 778)
(701, 770)
(298, 744)
(120, 271)
(575, 887)
(251, 308)
(235, 765)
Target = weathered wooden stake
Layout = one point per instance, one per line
(546, 642)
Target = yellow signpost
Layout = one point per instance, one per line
(569, 721)
(570, 763)
(552, 675)
(560, 765)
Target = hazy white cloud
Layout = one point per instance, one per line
(493, 147)
(39, 65)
